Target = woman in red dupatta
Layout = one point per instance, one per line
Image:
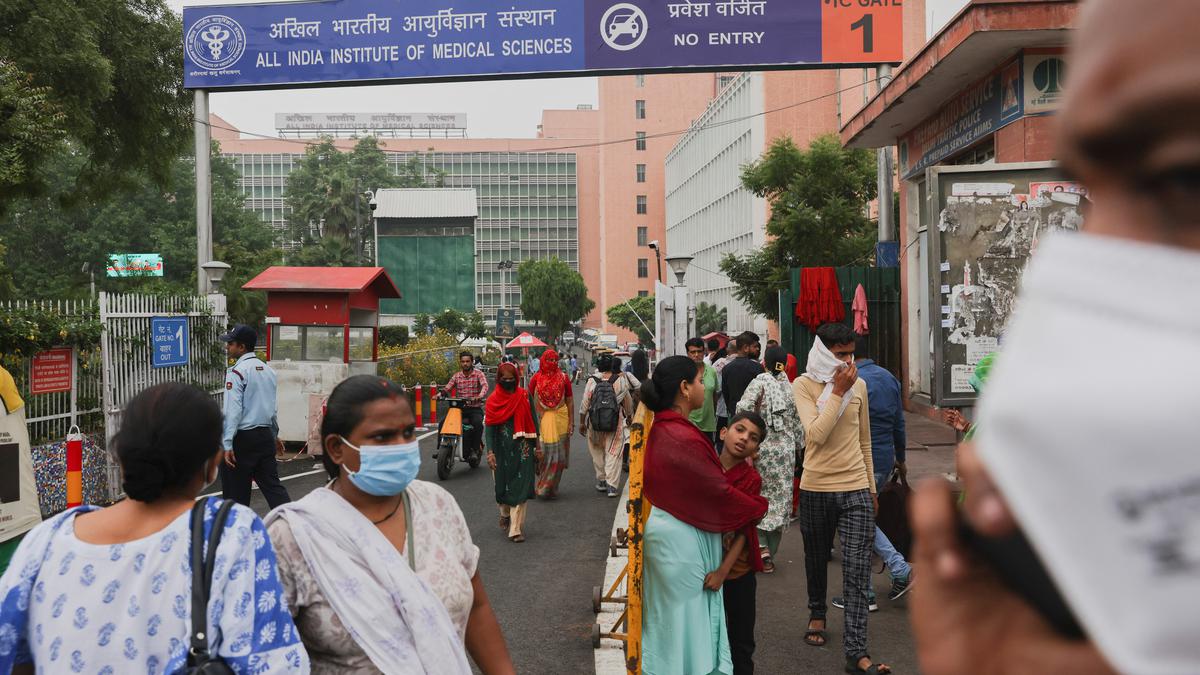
(552, 401)
(510, 439)
(692, 505)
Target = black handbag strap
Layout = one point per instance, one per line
(900, 478)
(202, 574)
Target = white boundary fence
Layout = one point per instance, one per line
(49, 416)
(127, 347)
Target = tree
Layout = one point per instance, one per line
(326, 195)
(552, 293)
(450, 321)
(65, 234)
(475, 327)
(819, 218)
(631, 315)
(710, 318)
(105, 74)
(422, 324)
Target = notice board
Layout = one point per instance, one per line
(988, 222)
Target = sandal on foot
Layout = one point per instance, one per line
(873, 669)
(812, 635)
(768, 563)
(505, 521)
(518, 539)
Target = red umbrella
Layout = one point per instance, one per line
(525, 341)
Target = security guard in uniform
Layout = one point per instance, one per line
(251, 437)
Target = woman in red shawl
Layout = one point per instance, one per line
(692, 505)
(510, 439)
(552, 401)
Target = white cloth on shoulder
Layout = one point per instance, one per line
(389, 611)
(822, 365)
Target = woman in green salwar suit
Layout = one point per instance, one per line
(510, 438)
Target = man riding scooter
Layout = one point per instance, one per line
(471, 385)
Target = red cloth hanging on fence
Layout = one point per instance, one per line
(820, 300)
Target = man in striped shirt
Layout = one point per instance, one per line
(471, 385)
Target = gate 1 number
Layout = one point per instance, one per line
(867, 24)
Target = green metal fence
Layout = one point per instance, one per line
(883, 313)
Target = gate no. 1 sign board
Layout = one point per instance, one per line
(168, 341)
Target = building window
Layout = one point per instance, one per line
(639, 81)
(643, 268)
(641, 205)
(643, 235)
(723, 81)
(639, 108)
(641, 173)
(643, 294)
(641, 140)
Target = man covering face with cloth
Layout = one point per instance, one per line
(837, 490)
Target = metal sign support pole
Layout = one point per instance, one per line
(204, 248)
(887, 230)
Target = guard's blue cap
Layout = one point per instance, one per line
(243, 334)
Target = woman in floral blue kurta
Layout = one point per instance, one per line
(770, 394)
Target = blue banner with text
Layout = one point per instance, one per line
(260, 46)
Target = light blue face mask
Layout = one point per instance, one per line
(385, 470)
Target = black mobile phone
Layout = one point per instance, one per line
(1019, 567)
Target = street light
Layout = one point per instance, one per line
(658, 258)
(679, 265)
(504, 265)
(215, 271)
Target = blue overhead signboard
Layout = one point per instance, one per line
(168, 341)
(368, 41)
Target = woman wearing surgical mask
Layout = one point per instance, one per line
(379, 569)
(511, 441)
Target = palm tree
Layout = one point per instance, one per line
(710, 318)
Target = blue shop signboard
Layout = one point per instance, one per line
(259, 46)
(975, 113)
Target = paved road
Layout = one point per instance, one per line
(541, 589)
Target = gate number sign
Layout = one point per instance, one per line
(168, 341)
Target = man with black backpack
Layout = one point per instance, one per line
(605, 411)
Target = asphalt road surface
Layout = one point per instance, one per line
(541, 589)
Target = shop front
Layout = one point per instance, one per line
(972, 120)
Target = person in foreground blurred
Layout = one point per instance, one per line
(378, 568)
(1130, 133)
(110, 590)
(692, 505)
(510, 438)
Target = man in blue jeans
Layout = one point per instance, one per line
(887, 452)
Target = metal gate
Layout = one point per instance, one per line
(127, 350)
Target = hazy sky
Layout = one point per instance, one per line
(494, 109)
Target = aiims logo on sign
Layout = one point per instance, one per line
(215, 42)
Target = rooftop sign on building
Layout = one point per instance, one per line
(368, 121)
(333, 42)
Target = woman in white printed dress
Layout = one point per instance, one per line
(770, 395)
(110, 590)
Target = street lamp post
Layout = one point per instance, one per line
(657, 258)
(682, 302)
